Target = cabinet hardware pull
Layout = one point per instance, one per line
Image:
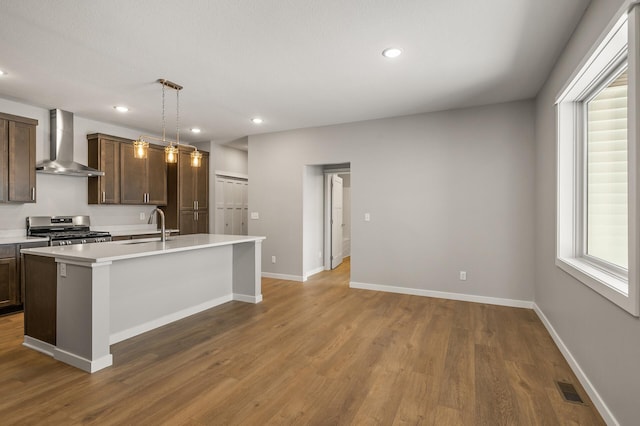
(33, 193)
(194, 216)
(194, 205)
(104, 196)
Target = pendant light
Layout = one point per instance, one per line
(171, 151)
(140, 147)
(196, 158)
(171, 148)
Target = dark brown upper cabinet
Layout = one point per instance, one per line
(18, 159)
(143, 181)
(104, 155)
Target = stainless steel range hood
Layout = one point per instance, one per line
(61, 149)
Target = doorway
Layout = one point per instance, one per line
(318, 243)
(337, 217)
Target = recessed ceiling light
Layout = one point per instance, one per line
(3, 72)
(392, 52)
(256, 120)
(195, 130)
(121, 108)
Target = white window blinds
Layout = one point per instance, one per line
(606, 174)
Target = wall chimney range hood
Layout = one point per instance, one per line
(61, 149)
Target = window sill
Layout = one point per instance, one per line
(614, 288)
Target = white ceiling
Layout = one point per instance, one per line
(296, 63)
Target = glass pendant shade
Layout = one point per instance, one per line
(171, 154)
(140, 148)
(196, 158)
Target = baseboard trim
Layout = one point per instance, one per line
(283, 276)
(313, 272)
(602, 408)
(247, 298)
(83, 363)
(444, 295)
(159, 322)
(39, 345)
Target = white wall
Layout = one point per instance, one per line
(446, 191)
(603, 339)
(65, 195)
(346, 214)
(313, 221)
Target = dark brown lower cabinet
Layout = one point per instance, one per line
(40, 287)
(9, 282)
(194, 222)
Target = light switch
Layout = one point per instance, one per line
(255, 215)
(367, 217)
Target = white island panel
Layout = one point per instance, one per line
(152, 291)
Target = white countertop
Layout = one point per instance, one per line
(17, 236)
(21, 239)
(130, 249)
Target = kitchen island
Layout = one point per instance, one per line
(80, 299)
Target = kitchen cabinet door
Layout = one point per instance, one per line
(202, 222)
(156, 177)
(187, 223)
(186, 182)
(104, 155)
(202, 183)
(4, 155)
(9, 283)
(22, 162)
(133, 179)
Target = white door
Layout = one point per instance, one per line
(231, 206)
(336, 221)
(219, 218)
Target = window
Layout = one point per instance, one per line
(606, 201)
(596, 171)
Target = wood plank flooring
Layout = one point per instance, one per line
(317, 353)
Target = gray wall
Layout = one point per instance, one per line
(64, 195)
(313, 222)
(226, 159)
(604, 339)
(446, 191)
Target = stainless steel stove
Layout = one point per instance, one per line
(65, 230)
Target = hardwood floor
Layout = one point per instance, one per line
(316, 353)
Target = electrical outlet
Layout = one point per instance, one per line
(142, 216)
(367, 217)
(463, 275)
(63, 269)
(273, 259)
(320, 255)
(255, 215)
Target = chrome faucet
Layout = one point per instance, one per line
(163, 235)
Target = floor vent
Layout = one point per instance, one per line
(569, 393)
